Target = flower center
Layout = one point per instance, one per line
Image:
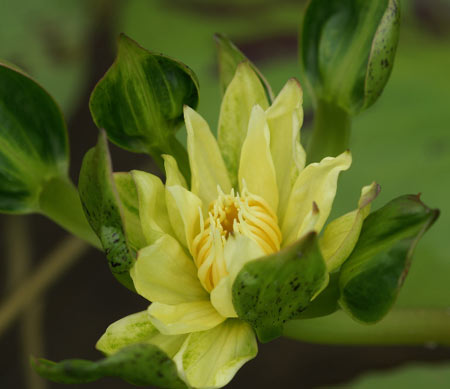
(232, 214)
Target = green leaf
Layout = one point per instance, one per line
(139, 102)
(33, 141)
(139, 364)
(348, 48)
(230, 57)
(326, 302)
(272, 290)
(104, 210)
(371, 278)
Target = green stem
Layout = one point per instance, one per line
(60, 202)
(331, 134)
(19, 258)
(399, 327)
(36, 283)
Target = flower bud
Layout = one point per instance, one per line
(348, 49)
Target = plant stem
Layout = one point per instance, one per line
(60, 202)
(19, 258)
(331, 134)
(427, 326)
(32, 287)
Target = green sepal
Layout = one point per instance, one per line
(274, 289)
(326, 301)
(229, 57)
(104, 211)
(348, 48)
(139, 102)
(139, 364)
(372, 276)
(33, 141)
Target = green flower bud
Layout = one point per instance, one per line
(348, 49)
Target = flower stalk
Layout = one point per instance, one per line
(331, 133)
(402, 326)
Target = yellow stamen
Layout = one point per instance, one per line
(232, 214)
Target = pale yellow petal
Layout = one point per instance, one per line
(184, 213)
(256, 169)
(210, 359)
(243, 93)
(310, 221)
(316, 183)
(164, 273)
(238, 251)
(126, 188)
(342, 234)
(137, 328)
(173, 174)
(285, 117)
(207, 167)
(152, 206)
(184, 318)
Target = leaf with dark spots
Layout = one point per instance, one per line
(139, 364)
(269, 291)
(104, 211)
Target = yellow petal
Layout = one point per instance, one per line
(126, 188)
(164, 273)
(318, 183)
(238, 251)
(285, 118)
(152, 206)
(173, 174)
(207, 166)
(256, 167)
(184, 318)
(137, 328)
(342, 234)
(242, 94)
(210, 359)
(310, 222)
(184, 213)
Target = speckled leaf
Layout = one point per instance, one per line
(371, 278)
(229, 57)
(139, 102)
(269, 291)
(326, 302)
(33, 141)
(348, 48)
(104, 211)
(139, 364)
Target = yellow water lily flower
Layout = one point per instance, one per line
(250, 196)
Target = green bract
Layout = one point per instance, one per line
(139, 102)
(139, 364)
(33, 141)
(348, 49)
(105, 213)
(270, 291)
(371, 278)
(34, 155)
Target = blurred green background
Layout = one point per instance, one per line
(402, 142)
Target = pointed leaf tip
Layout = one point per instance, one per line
(371, 278)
